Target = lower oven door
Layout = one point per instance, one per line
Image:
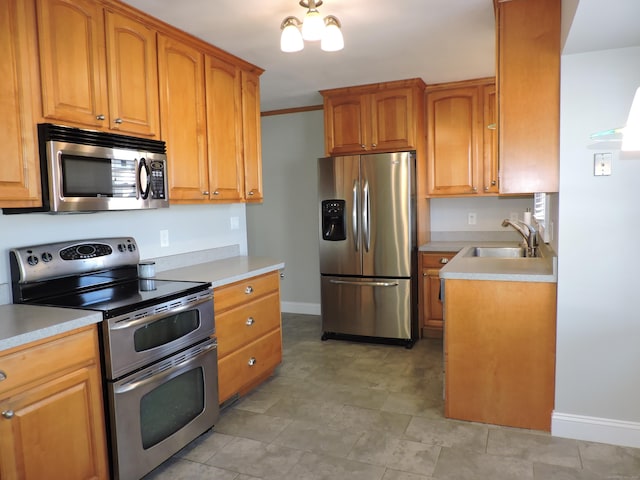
(141, 337)
(158, 410)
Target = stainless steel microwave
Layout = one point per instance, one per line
(91, 171)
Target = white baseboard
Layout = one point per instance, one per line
(302, 308)
(594, 429)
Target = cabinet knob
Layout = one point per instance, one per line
(251, 193)
(374, 145)
(248, 290)
(486, 189)
(8, 414)
(250, 321)
(252, 361)
(493, 183)
(444, 260)
(118, 121)
(363, 146)
(100, 117)
(205, 193)
(216, 192)
(3, 376)
(474, 189)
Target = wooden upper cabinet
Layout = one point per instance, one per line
(345, 118)
(453, 146)
(252, 144)
(132, 76)
(224, 130)
(382, 117)
(393, 120)
(490, 183)
(459, 125)
(19, 166)
(183, 122)
(528, 76)
(72, 61)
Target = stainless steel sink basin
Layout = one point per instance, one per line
(497, 252)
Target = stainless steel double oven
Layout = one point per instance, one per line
(159, 353)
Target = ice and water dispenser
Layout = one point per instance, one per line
(334, 226)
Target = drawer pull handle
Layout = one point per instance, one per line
(8, 414)
(3, 376)
(250, 321)
(248, 290)
(252, 361)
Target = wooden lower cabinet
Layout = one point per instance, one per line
(52, 417)
(431, 315)
(248, 329)
(500, 352)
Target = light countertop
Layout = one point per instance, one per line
(20, 324)
(223, 272)
(462, 267)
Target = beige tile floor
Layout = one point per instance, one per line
(336, 410)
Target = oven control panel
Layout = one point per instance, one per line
(42, 262)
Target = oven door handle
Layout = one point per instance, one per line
(133, 384)
(150, 318)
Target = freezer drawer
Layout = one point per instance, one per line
(374, 307)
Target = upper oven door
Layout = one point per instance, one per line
(141, 337)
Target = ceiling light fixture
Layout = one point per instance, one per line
(313, 28)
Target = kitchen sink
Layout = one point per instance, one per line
(497, 252)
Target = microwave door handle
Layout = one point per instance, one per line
(144, 177)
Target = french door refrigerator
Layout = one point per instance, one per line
(368, 251)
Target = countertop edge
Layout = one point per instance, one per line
(60, 320)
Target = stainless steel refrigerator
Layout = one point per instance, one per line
(368, 251)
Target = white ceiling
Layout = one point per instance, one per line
(436, 40)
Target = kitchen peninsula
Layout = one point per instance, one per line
(500, 338)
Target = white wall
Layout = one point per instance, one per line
(191, 227)
(598, 343)
(285, 225)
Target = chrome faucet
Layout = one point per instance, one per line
(528, 233)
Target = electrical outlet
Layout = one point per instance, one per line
(602, 164)
(471, 218)
(164, 238)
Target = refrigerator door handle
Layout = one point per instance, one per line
(365, 283)
(366, 207)
(354, 216)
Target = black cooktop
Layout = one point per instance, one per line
(117, 299)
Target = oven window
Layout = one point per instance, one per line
(166, 330)
(86, 176)
(169, 407)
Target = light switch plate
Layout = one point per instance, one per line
(602, 164)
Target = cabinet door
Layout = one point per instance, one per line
(224, 130)
(490, 144)
(528, 73)
(55, 427)
(347, 123)
(132, 76)
(182, 113)
(72, 62)
(19, 166)
(392, 120)
(251, 137)
(453, 152)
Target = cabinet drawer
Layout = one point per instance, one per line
(244, 324)
(37, 361)
(436, 260)
(248, 364)
(244, 291)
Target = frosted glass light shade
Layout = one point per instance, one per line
(291, 39)
(332, 39)
(631, 133)
(312, 26)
